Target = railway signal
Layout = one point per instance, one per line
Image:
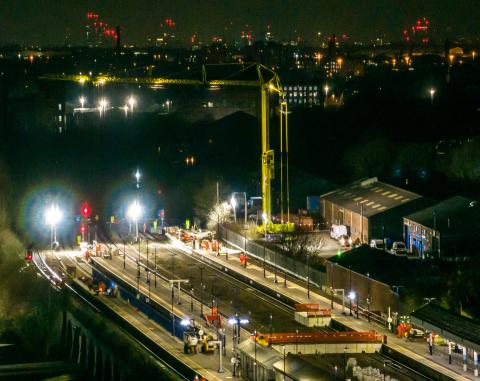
(86, 210)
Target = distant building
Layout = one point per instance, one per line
(372, 209)
(449, 228)
(302, 95)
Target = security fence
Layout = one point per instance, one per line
(283, 262)
(373, 298)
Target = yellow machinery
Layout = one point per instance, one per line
(265, 79)
(206, 344)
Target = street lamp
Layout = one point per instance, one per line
(236, 322)
(53, 216)
(351, 296)
(326, 88)
(134, 212)
(432, 94)
(102, 105)
(265, 221)
(82, 101)
(131, 102)
(137, 176)
(233, 203)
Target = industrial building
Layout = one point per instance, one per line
(370, 208)
(446, 229)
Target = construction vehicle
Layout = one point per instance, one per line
(190, 340)
(207, 345)
(252, 75)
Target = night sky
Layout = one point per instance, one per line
(46, 21)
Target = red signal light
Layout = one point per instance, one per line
(82, 228)
(29, 255)
(86, 210)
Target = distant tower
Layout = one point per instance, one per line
(167, 33)
(418, 33)
(331, 65)
(97, 32)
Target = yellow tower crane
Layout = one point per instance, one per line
(252, 75)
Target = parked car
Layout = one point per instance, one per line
(377, 244)
(399, 248)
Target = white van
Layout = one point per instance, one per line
(339, 231)
(377, 244)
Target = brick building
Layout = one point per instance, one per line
(372, 209)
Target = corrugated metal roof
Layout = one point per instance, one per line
(372, 195)
(455, 214)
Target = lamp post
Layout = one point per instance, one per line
(173, 316)
(134, 212)
(236, 323)
(432, 94)
(255, 356)
(351, 296)
(131, 102)
(53, 216)
(82, 101)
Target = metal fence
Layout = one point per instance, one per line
(283, 262)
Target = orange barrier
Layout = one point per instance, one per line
(306, 307)
(320, 313)
(319, 338)
(314, 309)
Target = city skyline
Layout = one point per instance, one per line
(49, 22)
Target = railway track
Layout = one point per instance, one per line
(399, 368)
(227, 304)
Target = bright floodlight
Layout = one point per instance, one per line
(432, 92)
(233, 202)
(103, 104)
(185, 322)
(137, 175)
(244, 321)
(131, 101)
(53, 215)
(134, 211)
(326, 88)
(351, 295)
(82, 101)
(232, 320)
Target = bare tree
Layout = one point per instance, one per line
(301, 244)
(219, 214)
